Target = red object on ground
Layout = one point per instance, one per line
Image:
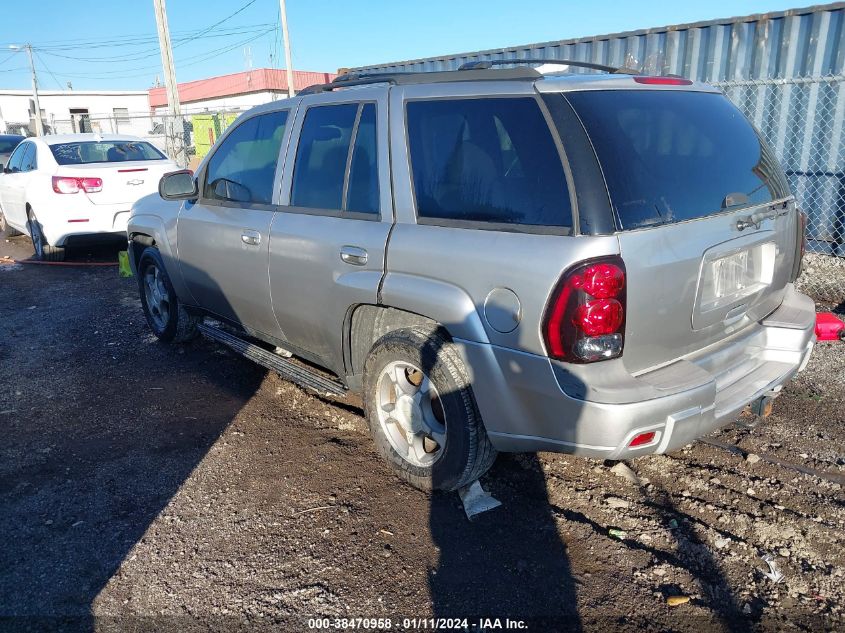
(828, 327)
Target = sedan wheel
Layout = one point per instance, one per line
(43, 250)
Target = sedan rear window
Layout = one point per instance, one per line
(104, 152)
(674, 156)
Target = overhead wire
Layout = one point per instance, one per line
(50, 48)
(47, 68)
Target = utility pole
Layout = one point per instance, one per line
(288, 61)
(174, 127)
(39, 124)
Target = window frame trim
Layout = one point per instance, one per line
(22, 148)
(31, 167)
(342, 212)
(508, 227)
(202, 174)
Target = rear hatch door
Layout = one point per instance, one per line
(706, 225)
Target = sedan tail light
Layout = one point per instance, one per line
(585, 317)
(68, 184)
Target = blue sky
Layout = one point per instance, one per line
(112, 45)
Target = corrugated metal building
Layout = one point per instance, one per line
(784, 70)
(793, 43)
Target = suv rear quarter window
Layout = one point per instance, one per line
(486, 160)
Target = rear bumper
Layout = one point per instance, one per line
(526, 404)
(60, 229)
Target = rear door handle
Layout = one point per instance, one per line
(353, 255)
(253, 238)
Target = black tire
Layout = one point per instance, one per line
(5, 228)
(468, 453)
(178, 326)
(43, 251)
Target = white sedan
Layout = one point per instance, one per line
(76, 189)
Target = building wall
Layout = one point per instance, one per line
(790, 43)
(234, 102)
(56, 106)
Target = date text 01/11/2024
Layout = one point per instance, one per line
(418, 624)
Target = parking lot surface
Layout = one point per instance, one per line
(168, 485)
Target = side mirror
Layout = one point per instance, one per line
(178, 185)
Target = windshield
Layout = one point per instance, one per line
(104, 152)
(7, 145)
(674, 156)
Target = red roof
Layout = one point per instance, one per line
(257, 80)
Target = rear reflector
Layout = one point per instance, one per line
(643, 439)
(663, 81)
(68, 184)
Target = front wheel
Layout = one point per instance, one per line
(168, 320)
(43, 251)
(422, 412)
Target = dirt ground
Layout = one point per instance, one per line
(150, 487)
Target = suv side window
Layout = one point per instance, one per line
(16, 159)
(28, 163)
(336, 164)
(488, 160)
(362, 193)
(243, 168)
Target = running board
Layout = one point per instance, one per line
(287, 369)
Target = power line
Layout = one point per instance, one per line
(47, 68)
(216, 24)
(152, 53)
(106, 74)
(5, 59)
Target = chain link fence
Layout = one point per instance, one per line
(803, 119)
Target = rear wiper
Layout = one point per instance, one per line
(756, 219)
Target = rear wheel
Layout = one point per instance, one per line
(422, 412)
(168, 320)
(5, 228)
(43, 251)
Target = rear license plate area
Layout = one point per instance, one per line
(731, 279)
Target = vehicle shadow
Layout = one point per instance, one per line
(696, 556)
(102, 426)
(493, 569)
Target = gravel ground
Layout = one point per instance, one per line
(149, 487)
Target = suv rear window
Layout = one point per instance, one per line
(490, 160)
(104, 152)
(674, 156)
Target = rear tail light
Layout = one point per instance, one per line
(663, 81)
(67, 184)
(585, 317)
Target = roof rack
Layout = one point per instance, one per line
(489, 63)
(404, 78)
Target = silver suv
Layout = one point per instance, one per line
(496, 260)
